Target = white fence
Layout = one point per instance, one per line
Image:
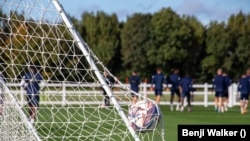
(64, 90)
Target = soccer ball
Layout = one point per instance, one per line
(144, 116)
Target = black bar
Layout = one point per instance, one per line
(213, 132)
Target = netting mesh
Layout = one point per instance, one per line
(32, 32)
(13, 125)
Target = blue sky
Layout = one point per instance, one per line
(204, 10)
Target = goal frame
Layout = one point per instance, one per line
(76, 102)
(83, 47)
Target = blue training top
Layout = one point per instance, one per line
(248, 76)
(186, 84)
(244, 85)
(158, 80)
(134, 81)
(32, 81)
(174, 80)
(219, 83)
(228, 82)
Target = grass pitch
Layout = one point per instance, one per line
(200, 115)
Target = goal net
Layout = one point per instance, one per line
(13, 124)
(68, 77)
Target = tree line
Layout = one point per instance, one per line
(167, 40)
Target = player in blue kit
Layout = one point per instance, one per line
(186, 88)
(248, 75)
(244, 89)
(134, 81)
(228, 82)
(219, 87)
(31, 83)
(174, 80)
(157, 82)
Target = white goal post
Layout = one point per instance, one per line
(38, 35)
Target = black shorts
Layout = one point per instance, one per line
(219, 94)
(133, 94)
(244, 96)
(158, 92)
(33, 100)
(175, 91)
(186, 94)
(225, 94)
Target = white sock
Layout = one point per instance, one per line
(177, 106)
(171, 107)
(241, 110)
(222, 109)
(182, 108)
(246, 103)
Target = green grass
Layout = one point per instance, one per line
(200, 115)
(74, 97)
(171, 119)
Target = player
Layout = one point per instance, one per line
(110, 81)
(134, 81)
(243, 89)
(32, 82)
(2, 80)
(219, 87)
(174, 80)
(157, 82)
(248, 75)
(228, 82)
(186, 87)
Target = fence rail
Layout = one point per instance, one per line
(64, 90)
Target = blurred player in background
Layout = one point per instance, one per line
(248, 73)
(134, 81)
(157, 82)
(174, 80)
(228, 82)
(219, 88)
(248, 76)
(32, 82)
(244, 89)
(110, 81)
(186, 88)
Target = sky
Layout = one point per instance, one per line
(204, 10)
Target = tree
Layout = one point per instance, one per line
(239, 31)
(195, 47)
(217, 49)
(101, 32)
(136, 40)
(12, 44)
(170, 39)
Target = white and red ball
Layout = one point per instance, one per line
(144, 116)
